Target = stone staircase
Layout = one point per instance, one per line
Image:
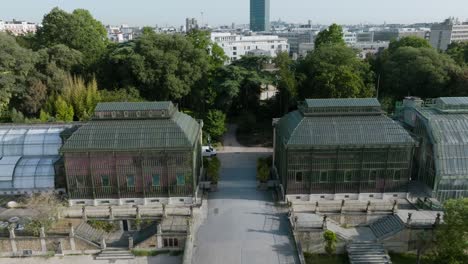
(386, 226)
(89, 233)
(113, 254)
(364, 252)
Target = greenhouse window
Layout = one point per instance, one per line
(156, 180)
(130, 181)
(299, 176)
(323, 176)
(180, 179)
(105, 180)
(348, 176)
(397, 175)
(372, 176)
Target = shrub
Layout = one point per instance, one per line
(212, 166)
(263, 169)
(330, 242)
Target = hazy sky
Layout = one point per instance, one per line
(216, 12)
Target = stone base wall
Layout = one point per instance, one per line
(44, 246)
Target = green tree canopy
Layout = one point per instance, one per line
(459, 52)
(333, 35)
(422, 72)
(215, 124)
(451, 244)
(77, 30)
(411, 41)
(286, 81)
(334, 71)
(17, 69)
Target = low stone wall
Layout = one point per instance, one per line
(41, 246)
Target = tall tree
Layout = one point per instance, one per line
(422, 72)
(17, 67)
(77, 30)
(286, 81)
(333, 35)
(451, 243)
(410, 41)
(334, 71)
(459, 52)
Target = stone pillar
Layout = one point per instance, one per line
(316, 207)
(159, 236)
(395, 207)
(111, 213)
(72, 237)
(138, 213)
(191, 211)
(295, 222)
(59, 249)
(368, 206)
(324, 222)
(342, 205)
(437, 220)
(83, 213)
(189, 227)
(368, 211)
(130, 242)
(408, 220)
(12, 239)
(103, 244)
(42, 238)
(164, 213)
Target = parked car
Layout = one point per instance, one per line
(19, 227)
(3, 224)
(208, 151)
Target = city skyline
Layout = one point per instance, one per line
(174, 13)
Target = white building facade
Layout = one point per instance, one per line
(18, 27)
(442, 35)
(235, 46)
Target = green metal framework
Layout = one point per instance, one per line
(442, 155)
(342, 146)
(136, 157)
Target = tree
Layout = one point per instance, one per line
(17, 67)
(286, 81)
(77, 30)
(422, 72)
(330, 242)
(263, 170)
(215, 124)
(458, 51)
(34, 98)
(82, 96)
(64, 111)
(334, 71)
(161, 67)
(331, 36)
(121, 95)
(451, 243)
(410, 41)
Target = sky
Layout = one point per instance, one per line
(225, 12)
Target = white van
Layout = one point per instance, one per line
(208, 151)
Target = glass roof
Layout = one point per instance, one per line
(32, 140)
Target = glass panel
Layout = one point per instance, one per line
(397, 175)
(372, 175)
(299, 176)
(130, 181)
(156, 180)
(180, 179)
(348, 176)
(105, 180)
(323, 176)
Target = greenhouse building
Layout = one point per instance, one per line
(134, 153)
(341, 149)
(29, 158)
(441, 126)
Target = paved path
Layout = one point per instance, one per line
(86, 259)
(243, 225)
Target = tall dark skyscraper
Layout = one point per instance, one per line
(260, 15)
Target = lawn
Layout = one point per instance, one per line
(325, 259)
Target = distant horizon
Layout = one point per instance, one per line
(148, 13)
